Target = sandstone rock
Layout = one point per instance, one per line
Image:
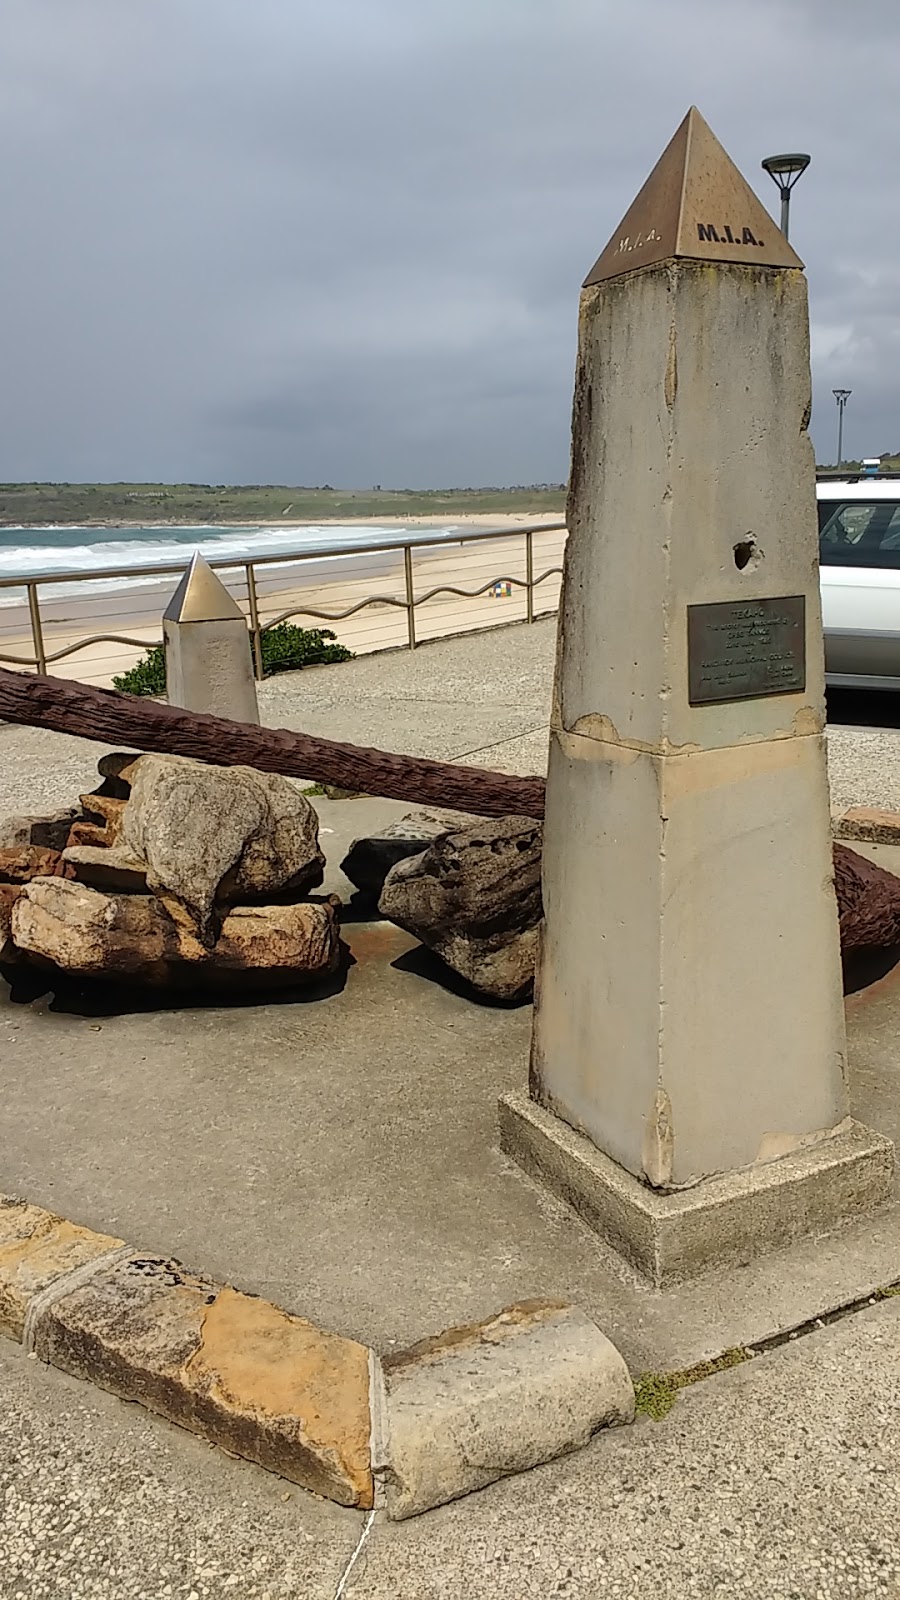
(253, 1379)
(37, 1248)
(32, 861)
(81, 931)
(868, 900)
(51, 832)
(112, 868)
(15, 832)
(103, 823)
(96, 935)
(212, 836)
(500, 1396)
(474, 897)
(282, 943)
(368, 861)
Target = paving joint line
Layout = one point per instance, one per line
(360, 1546)
(702, 1371)
(801, 1330)
(495, 743)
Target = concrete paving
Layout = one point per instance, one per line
(101, 1501)
(340, 1157)
(777, 1480)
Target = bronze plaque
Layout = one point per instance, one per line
(741, 649)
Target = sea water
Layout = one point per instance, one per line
(32, 552)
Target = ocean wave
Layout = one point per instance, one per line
(35, 552)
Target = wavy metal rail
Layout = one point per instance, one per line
(402, 605)
(43, 658)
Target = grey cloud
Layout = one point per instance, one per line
(343, 240)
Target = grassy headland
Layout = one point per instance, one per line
(99, 504)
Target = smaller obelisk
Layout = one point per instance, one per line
(209, 666)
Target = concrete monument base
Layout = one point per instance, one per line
(721, 1221)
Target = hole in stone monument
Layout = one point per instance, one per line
(745, 553)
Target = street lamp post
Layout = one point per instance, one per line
(841, 396)
(785, 170)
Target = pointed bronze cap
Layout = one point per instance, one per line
(201, 597)
(695, 204)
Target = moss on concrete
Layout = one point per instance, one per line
(655, 1393)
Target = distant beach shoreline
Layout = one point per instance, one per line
(473, 519)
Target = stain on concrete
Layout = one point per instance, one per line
(671, 378)
(658, 1154)
(376, 941)
(494, 1330)
(775, 1145)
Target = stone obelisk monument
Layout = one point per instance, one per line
(688, 1073)
(207, 645)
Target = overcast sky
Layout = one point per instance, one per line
(342, 240)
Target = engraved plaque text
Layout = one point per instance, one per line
(741, 649)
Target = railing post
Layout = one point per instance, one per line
(37, 632)
(529, 575)
(255, 633)
(410, 596)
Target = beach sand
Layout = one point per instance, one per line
(360, 597)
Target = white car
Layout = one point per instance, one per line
(859, 558)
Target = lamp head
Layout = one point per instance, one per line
(785, 170)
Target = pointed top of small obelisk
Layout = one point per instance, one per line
(694, 204)
(201, 597)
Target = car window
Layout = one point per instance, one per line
(859, 533)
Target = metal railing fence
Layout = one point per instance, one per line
(47, 615)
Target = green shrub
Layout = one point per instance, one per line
(285, 648)
(148, 676)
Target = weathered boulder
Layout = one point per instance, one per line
(92, 935)
(50, 832)
(868, 900)
(474, 897)
(368, 861)
(212, 836)
(20, 865)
